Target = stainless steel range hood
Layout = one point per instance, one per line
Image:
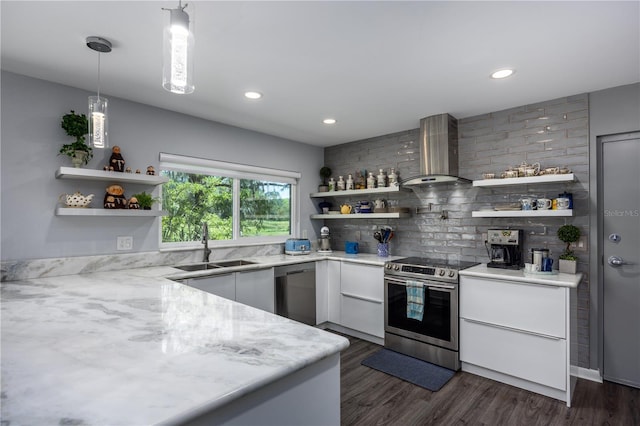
(438, 152)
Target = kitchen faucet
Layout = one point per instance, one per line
(205, 241)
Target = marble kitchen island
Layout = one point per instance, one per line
(134, 348)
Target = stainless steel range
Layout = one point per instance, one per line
(421, 309)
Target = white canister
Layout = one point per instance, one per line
(382, 179)
(371, 181)
(393, 177)
(332, 184)
(341, 184)
(350, 184)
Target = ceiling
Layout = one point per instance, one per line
(376, 67)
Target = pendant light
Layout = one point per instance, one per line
(177, 68)
(98, 118)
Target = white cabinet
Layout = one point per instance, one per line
(220, 285)
(362, 298)
(253, 288)
(256, 288)
(328, 291)
(517, 333)
(333, 271)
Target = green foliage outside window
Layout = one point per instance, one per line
(191, 199)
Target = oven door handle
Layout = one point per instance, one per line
(429, 285)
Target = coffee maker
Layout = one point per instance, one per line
(505, 248)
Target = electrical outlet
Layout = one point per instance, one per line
(304, 233)
(581, 244)
(357, 235)
(124, 243)
(485, 236)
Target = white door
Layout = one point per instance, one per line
(620, 209)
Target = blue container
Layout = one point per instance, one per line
(351, 247)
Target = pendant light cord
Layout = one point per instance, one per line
(98, 75)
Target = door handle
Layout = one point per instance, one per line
(615, 261)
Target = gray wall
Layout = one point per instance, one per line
(554, 133)
(31, 137)
(612, 111)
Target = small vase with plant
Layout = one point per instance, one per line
(77, 126)
(568, 234)
(325, 172)
(145, 200)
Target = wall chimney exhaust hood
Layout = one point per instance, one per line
(438, 152)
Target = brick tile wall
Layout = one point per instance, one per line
(553, 133)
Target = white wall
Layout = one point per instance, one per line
(31, 137)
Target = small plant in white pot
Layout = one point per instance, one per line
(568, 260)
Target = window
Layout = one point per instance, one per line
(239, 203)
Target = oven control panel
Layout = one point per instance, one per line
(416, 271)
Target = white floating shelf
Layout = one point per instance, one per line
(362, 216)
(355, 192)
(89, 174)
(570, 177)
(71, 211)
(523, 213)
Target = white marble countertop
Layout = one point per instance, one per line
(556, 279)
(131, 347)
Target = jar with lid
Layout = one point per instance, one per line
(393, 177)
(350, 183)
(382, 179)
(332, 184)
(371, 181)
(340, 184)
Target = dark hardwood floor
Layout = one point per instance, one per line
(369, 397)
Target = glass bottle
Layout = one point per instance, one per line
(371, 181)
(340, 184)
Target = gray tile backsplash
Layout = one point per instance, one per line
(553, 133)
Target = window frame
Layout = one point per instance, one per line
(236, 172)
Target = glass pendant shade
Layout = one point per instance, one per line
(98, 122)
(178, 41)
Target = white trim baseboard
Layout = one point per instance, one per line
(587, 374)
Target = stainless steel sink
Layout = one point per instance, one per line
(213, 265)
(228, 263)
(197, 267)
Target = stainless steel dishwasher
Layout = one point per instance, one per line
(296, 292)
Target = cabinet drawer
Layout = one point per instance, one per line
(362, 281)
(362, 315)
(220, 285)
(537, 308)
(531, 357)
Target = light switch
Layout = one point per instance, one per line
(124, 243)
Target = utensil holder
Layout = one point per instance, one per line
(383, 249)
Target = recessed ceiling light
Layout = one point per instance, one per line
(329, 121)
(502, 73)
(252, 95)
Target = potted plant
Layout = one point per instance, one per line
(77, 126)
(568, 260)
(145, 200)
(325, 172)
